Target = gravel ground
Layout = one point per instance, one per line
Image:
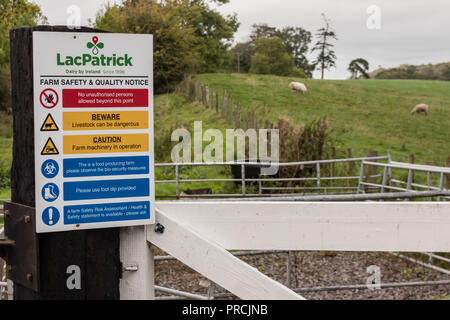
(313, 269)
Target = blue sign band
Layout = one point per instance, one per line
(106, 189)
(113, 166)
(106, 212)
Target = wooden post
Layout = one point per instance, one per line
(224, 103)
(95, 252)
(238, 116)
(217, 102)
(230, 110)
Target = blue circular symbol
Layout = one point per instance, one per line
(50, 169)
(50, 216)
(50, 192)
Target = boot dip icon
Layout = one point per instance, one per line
(50, 192)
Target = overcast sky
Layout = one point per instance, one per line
(411, 32)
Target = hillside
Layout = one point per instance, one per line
(365, 114)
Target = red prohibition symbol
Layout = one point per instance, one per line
(49, 98)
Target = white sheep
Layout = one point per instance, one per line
(420, 108)
(298, 86)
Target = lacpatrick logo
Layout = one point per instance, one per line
(95, 45)
(95, 59)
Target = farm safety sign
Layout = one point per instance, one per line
(93, 119)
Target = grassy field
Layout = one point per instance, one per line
(364, 114)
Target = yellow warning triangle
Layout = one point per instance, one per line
(49, 124)
(49, 148)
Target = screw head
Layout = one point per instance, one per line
(27, 219)
(29, 277)
(6, 213)
(159, 228)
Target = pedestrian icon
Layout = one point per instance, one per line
(49, 98)
(50, 169)
(49, 124)
(49, 148)
(50, 192)
(50, 216)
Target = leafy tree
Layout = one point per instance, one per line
(327, 57)
(359, 67)
(445, 75)
(16, 14)
(214, 32)
(296, 40)
(271, 57)
(242, 56)
(188, 35)
(13, 14)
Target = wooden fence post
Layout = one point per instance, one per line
(224, 103)
(237, 125)
(217, 102)
(95, 252)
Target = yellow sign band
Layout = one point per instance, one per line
(107, 143)
(119, 120)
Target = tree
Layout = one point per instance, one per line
(327, 57)
(16, 14)
(359, 67)
(13, 14)
(271, 57)
(242, 56)
(296, 40)
(214, 32)
(188, 36)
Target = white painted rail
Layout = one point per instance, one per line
(214, 262)
(336, 226)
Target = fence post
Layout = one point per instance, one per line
(411, 160)
(237, 125)
(95, 252)
(318, 176)
(361, 179)
(217, 102)
(224, 103)
(447, 164)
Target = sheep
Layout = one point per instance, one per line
(420, 108)
(298, 86)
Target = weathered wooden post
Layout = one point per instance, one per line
(81, 264)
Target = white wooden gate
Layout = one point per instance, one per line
(200, 233)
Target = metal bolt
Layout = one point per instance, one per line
(27, 219)
(6, 213)
(29, 277)
(159, 228)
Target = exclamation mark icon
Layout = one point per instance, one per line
(50, 216)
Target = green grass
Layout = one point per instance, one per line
(364, 114)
